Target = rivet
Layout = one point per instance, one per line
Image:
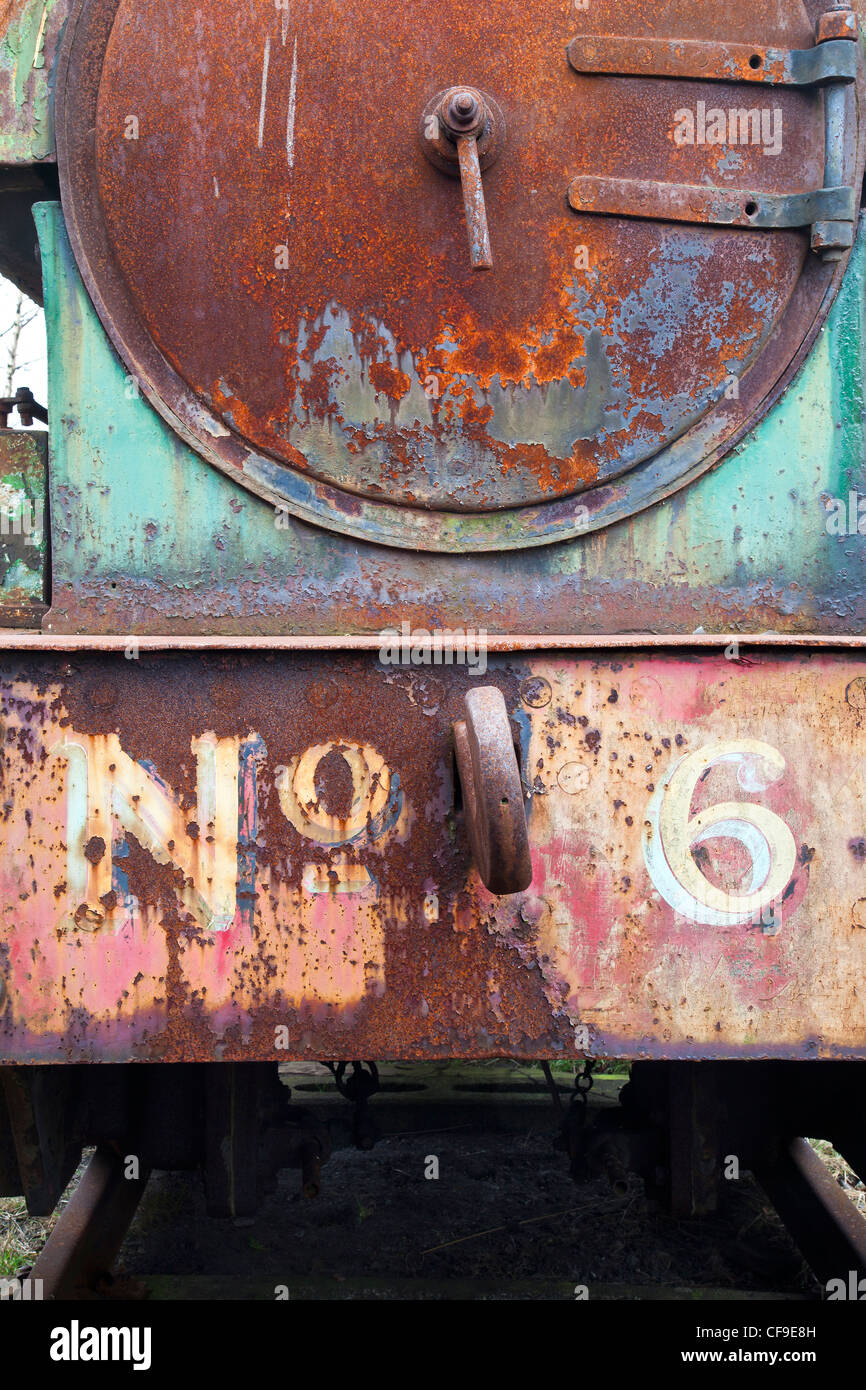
(536, 692)
(856, 693)
(573, 778)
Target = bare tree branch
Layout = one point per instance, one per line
(12, 358)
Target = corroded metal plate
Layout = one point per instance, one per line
(288, 276)
(29, 35)
(212, 856)
(23, 516)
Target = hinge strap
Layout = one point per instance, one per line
(834, 61)
(717, 207)
(832, 64)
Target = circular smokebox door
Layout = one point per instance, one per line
(340, 247)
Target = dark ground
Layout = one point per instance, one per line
(503, 1220)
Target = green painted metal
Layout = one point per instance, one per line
(23, 532)
(147, 537)
(30, 35)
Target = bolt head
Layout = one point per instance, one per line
(462, 111)
(840, 23)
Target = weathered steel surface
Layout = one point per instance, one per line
(838, 23)
(23, 527)
(176, 547)
(678, 202)
(82, 1246)
(26, 132)
(218, 857)
(834, 60)
(281, 268)
(826, 1225)
(493, 796)
(29, 34)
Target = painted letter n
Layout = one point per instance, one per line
(105, 786)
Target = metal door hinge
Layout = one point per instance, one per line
(832, 61)
(832, 65)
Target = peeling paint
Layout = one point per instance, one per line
(238, 856)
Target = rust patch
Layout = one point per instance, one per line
(385, 368)
(94, 849)
(358, 922)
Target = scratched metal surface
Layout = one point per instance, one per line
(217, 857)
(147, 537)
(285, 272)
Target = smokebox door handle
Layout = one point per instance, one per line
(462, 133)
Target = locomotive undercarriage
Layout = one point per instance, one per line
(685, 1128)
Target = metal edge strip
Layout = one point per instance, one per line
(35, 643)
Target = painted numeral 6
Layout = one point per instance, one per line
(671, 834)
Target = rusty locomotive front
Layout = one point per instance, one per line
(436, 627)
